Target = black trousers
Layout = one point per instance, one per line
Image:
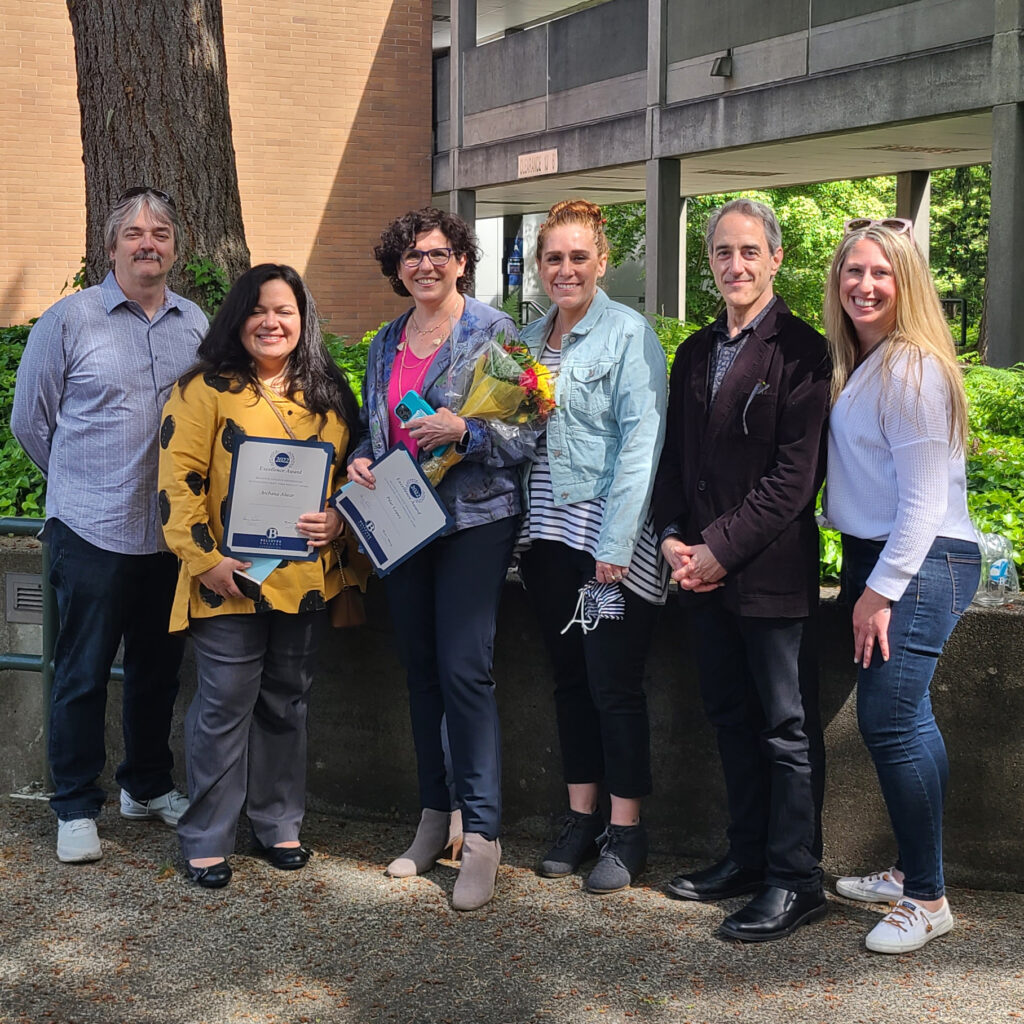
(600, 703)
(444, 604)
(759, 684)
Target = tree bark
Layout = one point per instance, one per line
(983, 326)
(153, 93)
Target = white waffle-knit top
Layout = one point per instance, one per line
(893, 474)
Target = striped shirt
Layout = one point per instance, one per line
(579, 525)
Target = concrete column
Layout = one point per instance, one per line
(463, 39)
(462, 201)
(662, 282)
(913, 200)
(1006, 237)
(463, 14)
(657, 60)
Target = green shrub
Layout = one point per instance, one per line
(22, 488)
(351, 357)
(996, 399)
(672, 333)
(210, 281)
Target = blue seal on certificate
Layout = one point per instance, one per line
(273, 482)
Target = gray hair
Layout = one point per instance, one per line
(749, 208)
(124, 211)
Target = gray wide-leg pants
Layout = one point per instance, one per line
(245, 731)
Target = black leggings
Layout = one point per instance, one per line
(600, 702)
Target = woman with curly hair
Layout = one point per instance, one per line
(263, 370)
(897, 491)
(444, 599)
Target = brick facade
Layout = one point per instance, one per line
(331, 114)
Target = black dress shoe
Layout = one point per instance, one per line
(216, 876)
(718, 882)
(773, 913)
(286, 858)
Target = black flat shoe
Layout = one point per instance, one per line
(286, 858)
(721, 881)
(774, 913)
(216, 876)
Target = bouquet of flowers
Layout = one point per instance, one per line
(508, 386)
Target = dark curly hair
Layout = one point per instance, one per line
(311, 369)
(401, 234)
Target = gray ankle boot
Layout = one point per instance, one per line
(428, 844)
(475, 885)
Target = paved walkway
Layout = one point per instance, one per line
(127, 940)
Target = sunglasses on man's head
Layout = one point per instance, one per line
(141, 190)
(412, 258)
(897, 224)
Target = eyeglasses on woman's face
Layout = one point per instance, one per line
(900, 225)
(439, 257)
(142, 190)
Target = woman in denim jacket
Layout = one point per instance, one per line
(587, 540)
(444, 599)
(897, 490)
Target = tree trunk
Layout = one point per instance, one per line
(983, 326)
(152, 88)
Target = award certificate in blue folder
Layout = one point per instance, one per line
(399, 516)
(273, 482)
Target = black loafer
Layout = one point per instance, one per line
(216, 876)
(774, 913)
(718, 882)
(286, 858)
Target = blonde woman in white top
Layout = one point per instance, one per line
(897, 491)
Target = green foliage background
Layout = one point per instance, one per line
(22, 488)
(812, 219)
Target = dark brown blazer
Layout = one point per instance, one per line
(743, 478)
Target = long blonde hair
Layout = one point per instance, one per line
(920, 328)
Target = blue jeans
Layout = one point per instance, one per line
(102, 597)
(894, 707)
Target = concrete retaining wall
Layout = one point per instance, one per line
(361, 749)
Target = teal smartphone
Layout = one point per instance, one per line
(411, 406)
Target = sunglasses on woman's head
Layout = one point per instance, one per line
(141, 190)
(412, 258)
(897, 224)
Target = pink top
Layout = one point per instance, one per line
(407, 374)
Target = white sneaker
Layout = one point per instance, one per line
(168, 808)
(881, 887)
(78, 841)
(908, 927)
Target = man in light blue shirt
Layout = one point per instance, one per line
(97, 368)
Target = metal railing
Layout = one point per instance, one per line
(42, 662)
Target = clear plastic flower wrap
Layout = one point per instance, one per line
(509, 388)
(999, 583)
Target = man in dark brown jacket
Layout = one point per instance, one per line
(734, 506)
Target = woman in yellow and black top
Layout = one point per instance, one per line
(263, 371)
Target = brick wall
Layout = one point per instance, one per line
(330, 106)
(42, 183)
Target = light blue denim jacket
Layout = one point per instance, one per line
(606, 434)
(485, 486)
